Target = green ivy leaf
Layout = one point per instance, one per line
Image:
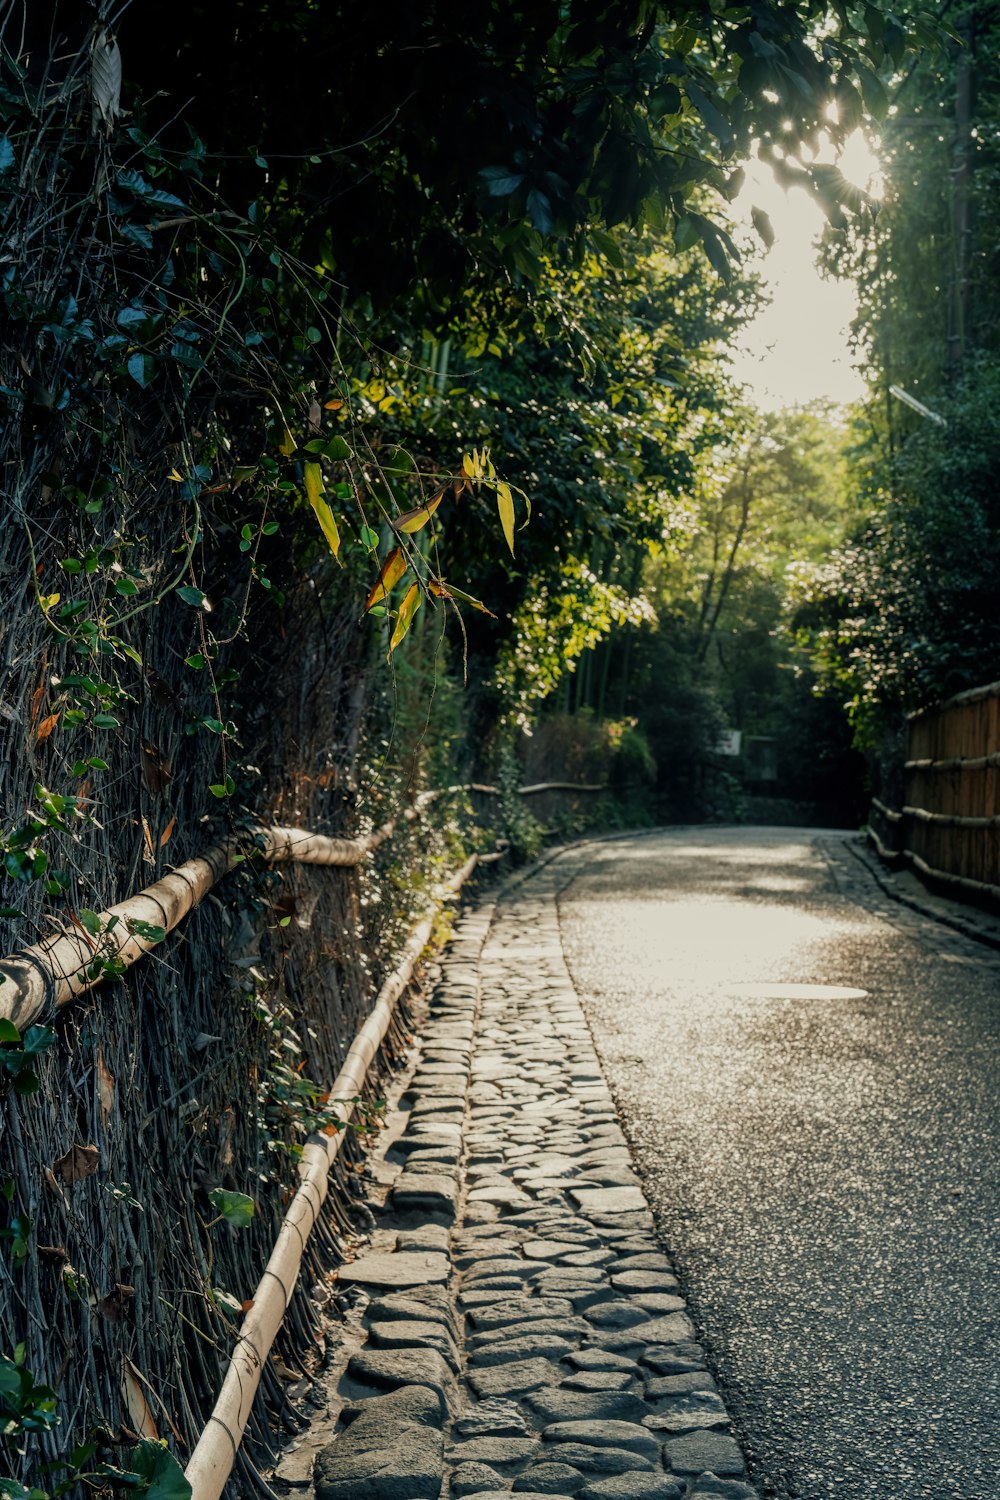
(38, 1039)
(235, 1208)
(142, 368)
(148, 930)
(195, 597)
(162, 1476)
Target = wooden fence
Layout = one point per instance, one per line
(949, 825)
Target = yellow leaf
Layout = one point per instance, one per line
(177, 478)
(412, 601)
(313, 476)
(505, 505)
(442, 590)
(288, 444)
(414, 520)
(468, 466)
(392, 571)
(138, 1407)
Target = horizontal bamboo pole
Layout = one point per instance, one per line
(956, 763)
(945, 877)
(283, 844)
(522, 791)
(37, 981)
(215, 1452)
(951, 820)
(930, 872)
(561, 786)
(886, 855)
(887, 812)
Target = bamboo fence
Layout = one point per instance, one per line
(948, 827)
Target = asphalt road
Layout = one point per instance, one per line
(822, 1162)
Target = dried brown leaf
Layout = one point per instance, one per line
(105, 1088)
(115, 1304)
(46, 727)
(36, 705)
(78, 1163)
(105, 82)
(160, 690)
(55, 1253)
(148, 851)
(157, 772)
(167, 831)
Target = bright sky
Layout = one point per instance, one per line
(796, 350)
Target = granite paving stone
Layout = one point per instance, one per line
(616, 1313)
(673, 1328)
(493, 1450)
(697, 1452)
(634, 1485)
(408, 1467)
(503, 1350)
(405, 1333)
(597, 1380)
(505, 1495)
(642, 1281)
(469, 1479)
(427, 1237)
(678, 1359)
(590, 1459)
(550, 1479)
(397, 1268)
(606, 1434)
(514, 1378)
(584, 1406)
(712, 1487)
(484, 1293)
(678, 1385)
(393, 1369)
(424, 1193)
(600, 1359)
(683, 1413)
(510, 1310)
(433, 1302)
(492, 1417)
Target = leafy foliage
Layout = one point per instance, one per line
(906, 613)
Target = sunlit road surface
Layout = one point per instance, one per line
(808, 1073)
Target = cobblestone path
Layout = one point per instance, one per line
(524, 1332)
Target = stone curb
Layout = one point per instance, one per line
(525, 1333)
(907, 889)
